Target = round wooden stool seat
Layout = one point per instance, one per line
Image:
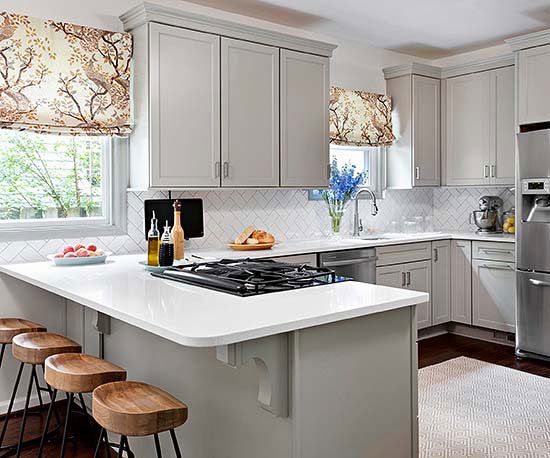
(136, 409)
(80, 373)
(35, 347)
(10, 327)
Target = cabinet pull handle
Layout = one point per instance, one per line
(493, 170)
(436, 255)
(408, 279)
(226, 169)
(538, 282)
(403, 279)
(217, 169)
(486, 171)
(496, 250)
(328, 171)
(497, 267)
(417, 173)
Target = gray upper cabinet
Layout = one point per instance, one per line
(468, 123)
(250, 114)
(414, 157)
(533, 87)
(304, 119)
(218, 104)
(185, 113)
(479, 129)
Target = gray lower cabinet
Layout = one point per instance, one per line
(416, 276)
(461, 284)
(250, 114)
(493, 292)
(304, 119)
(184, 104)
(441, 281)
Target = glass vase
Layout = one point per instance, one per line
(336, 210)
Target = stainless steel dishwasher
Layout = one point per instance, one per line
(360, 265)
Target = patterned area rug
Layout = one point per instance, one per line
(469, 408)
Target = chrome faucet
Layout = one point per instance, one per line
(357, 223)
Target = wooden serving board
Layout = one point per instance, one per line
(245, 247)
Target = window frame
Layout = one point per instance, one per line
(114, 222)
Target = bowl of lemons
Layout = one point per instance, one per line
(509, 222)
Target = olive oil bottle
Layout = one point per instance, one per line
(153, 243)
(177, 232)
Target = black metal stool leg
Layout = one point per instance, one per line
(38, 389)
(24, 421)
(2, 351)
(12, 400)
(84, 410)
(65, 429)
(107, 443)
(48, 418)
(99, 441)
(121, 447)
(157, 446)
(52, 402)
(175, 443)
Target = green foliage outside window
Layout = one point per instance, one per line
(46, 176)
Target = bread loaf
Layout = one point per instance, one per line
(244, 235)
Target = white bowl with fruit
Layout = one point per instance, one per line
(79, 255)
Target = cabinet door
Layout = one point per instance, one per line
(426, 130)
(393, 276)
(468, 123)
(461, 286)
(534, 90)
(494, 295)
(250, 114)
(504, 136)
(304, 119)
(419, 278)
(441, 281)
(185, 107)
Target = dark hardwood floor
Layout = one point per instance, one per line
(430, 351)
(438, 349)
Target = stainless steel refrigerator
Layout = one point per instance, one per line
(533, 245)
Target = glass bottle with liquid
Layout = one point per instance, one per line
(166, 251)
(153, 243)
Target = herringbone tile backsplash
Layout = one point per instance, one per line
(286, 213)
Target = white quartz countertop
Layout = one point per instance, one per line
(295, 247)
(199, 317)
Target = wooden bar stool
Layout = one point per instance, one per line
(136, 409)
(33, 348)
(9, 328)
(76, 373)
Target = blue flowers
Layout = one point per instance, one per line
(344, 182)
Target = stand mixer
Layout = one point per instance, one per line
(488, 218)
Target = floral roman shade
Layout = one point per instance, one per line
(359, 118)
(63, 78)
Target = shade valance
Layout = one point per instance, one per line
(63, 78)
(359, 118)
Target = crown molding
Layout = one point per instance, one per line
(506, 60)
(413, 68)
(149, 12)
(530, 40)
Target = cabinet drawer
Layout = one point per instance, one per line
(494, 251)
(398, 254)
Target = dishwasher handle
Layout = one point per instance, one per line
(348, 262)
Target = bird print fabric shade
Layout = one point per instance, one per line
(359, 118)
(62, 78)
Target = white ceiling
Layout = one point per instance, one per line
(424, 28)
(429, 29)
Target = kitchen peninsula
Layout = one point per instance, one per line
(336, 363)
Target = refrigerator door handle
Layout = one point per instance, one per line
(539, 282)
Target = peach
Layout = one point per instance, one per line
(78, 247)
(82, 253)
(70, 254)
(91, 248)
(68, 249)
(58, 255)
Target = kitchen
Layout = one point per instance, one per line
(348, 201)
